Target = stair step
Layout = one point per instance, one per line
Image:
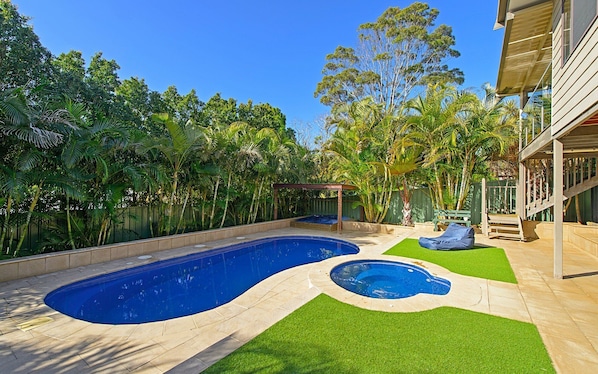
(504, 221)
(503, 217)
(503, 227)
(504, 235)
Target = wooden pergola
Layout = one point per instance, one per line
(316, 186)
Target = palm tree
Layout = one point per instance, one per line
(21, 120)
(27, 139)
(365, 154)
(277, 150)
(457, 133)
(242, 152)
(182, 145)
(11, 184)
(490, 129)
(96, 173)
(433, 125)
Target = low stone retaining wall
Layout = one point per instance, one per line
(584, 237)
(375, 227)
(24, 267)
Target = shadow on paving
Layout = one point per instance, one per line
(88, 355)
(285, 357)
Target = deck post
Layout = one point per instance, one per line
(557, 167)
(520, 191)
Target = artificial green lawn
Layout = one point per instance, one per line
(327, 336)
(481, 262)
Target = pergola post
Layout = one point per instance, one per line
(339, 220)
(316, 186)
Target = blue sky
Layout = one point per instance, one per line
(268, 51)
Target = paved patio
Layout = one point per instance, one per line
(35, 338)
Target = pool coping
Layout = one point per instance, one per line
(466, 292)
(24, 267)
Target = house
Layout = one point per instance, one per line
(550, 60)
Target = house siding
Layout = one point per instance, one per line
(575, 83)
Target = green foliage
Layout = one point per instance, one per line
(363, 153)
(102, 75)
(69, 77)
(327, 336)
(24, 62)
(458, 134)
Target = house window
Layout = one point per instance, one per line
(578, 15)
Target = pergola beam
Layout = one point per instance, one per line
(316, 186)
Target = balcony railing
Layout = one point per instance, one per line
(535, 117)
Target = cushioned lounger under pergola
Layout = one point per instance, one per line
(316, 186)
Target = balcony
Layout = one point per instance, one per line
(535, 118)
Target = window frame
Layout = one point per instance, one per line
(568, 21)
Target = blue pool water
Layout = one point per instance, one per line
(387, 279)
(322, 219)
(190, 284)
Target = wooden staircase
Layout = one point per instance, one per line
(579, 174)
(505, 226)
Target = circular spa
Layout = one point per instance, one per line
(387, 279)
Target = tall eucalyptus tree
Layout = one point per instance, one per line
(398, 52)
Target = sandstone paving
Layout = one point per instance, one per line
(565, 311)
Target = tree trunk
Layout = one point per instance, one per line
(178, 226)
(37, 193)
(259, 195)
(405, 194)
(151, 220)
(203, 210)
(251, 206)
(464, 175)
(230, 177)
(68, 222)
(439, 193)
(175, 182)
(5, 225)
(104, 231)
(386, 196)
(214, 202)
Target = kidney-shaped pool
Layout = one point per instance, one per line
(189, 284)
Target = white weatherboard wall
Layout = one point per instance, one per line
(575, 83)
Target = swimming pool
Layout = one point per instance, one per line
(387, 279)
(189, 284)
